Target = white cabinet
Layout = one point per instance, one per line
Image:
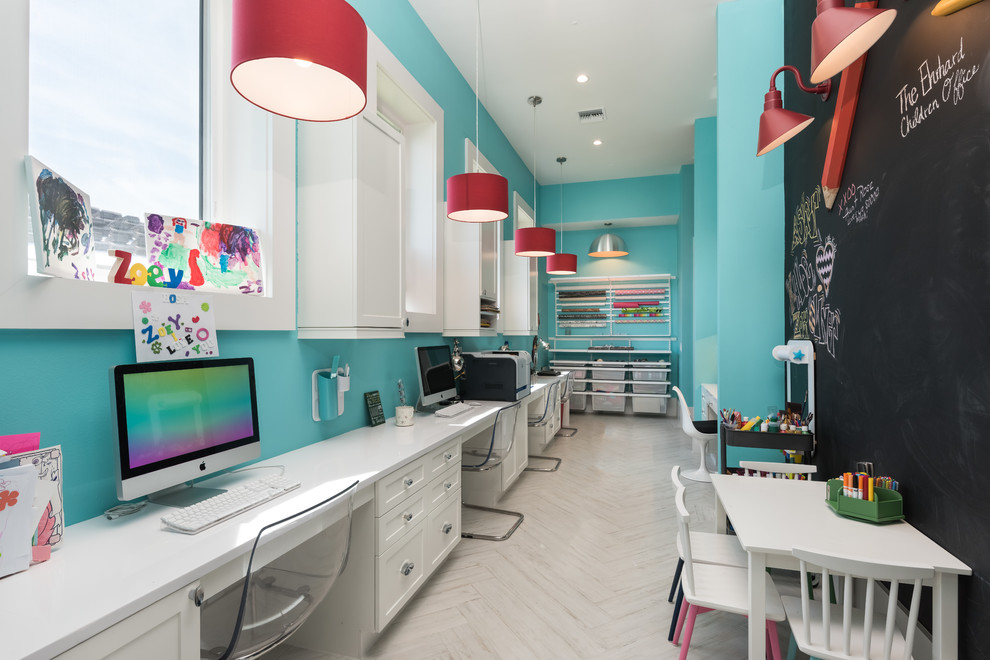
(350, 275)
(472, 270)
(369, 193)
(520, 298)
(167, 629)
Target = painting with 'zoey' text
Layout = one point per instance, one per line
(204, 256)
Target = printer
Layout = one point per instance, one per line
(495, 375)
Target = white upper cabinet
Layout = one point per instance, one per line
(472, 254)
(521, 281)
(369, 200)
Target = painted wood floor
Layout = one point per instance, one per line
(588, 572)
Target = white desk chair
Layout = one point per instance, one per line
(842, 631)
(701, 432)
(713, 587)
(482, 456)
(262, 609)
(706, 548)
(549, 410)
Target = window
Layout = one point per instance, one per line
(115, 109)
(248, 175)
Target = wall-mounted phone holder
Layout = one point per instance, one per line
(329, 386)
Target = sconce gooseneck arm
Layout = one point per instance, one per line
(823, 89)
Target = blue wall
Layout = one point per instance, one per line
(705, 265)
(684, 321)
(750, 201)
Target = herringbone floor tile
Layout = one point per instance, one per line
(587, 573)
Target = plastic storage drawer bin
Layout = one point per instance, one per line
(608, 403)
(650, 388)
(609, 387)
(579, 401)
(649, 404)
(608, 374)
(650, 374)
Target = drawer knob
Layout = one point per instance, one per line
(407, 516)
(448, 485)
(446, 528)
(407, 568)
(408, 481)
(448, 456)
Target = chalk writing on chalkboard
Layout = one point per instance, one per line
(806, 218)
(941, 82)
(856, 201)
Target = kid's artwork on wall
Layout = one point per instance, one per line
(210, 256)
(62, 221)
(173, 325)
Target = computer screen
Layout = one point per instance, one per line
(178, 421)
(436, 375)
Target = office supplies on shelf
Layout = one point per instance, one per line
(453, 410)
(214, 510)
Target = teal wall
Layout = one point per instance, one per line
(750, 199)
(684, 321)
(705, 266)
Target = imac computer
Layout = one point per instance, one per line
(178, 421)
(436, 376)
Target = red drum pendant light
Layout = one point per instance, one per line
(534, 241)
(302, 59)
(561, 263)
(477, 196)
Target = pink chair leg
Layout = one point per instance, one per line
(688, 629)
(685, 606)
(773, 643)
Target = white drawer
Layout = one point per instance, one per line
(443, 487)
(439, 460)
(443, 532)
(400, 572)
(402, 483)
(403, 517)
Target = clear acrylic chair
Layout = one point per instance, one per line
(550, 403)
(272, 600)
(485, 452)
(565, 408)
(833, 631)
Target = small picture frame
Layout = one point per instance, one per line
(375, 411)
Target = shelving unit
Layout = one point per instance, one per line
(600, 323)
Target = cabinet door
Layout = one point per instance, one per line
(166, 630)
(519, 292)
(491, 244)
(380, 273)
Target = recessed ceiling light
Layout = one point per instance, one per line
(597, 143)
(582, 78)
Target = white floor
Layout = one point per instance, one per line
(588, 572)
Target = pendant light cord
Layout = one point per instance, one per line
(477, 83)
(535, 200)
(560, 234)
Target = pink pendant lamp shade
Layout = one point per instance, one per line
(562, 264)
(777, 124)
(477, 197)
(840, 35)
(304, 59)
(535, 241)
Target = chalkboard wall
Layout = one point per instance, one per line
(893, 283)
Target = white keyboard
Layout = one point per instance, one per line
(203, 515)
(453, 410)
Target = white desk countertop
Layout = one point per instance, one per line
(106, 570)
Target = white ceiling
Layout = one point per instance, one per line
(651, 66)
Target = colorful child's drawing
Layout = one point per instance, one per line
(173, 325)
(48, 463)
(214, 256)
(63, 224)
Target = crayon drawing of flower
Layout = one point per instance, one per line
(8, 498)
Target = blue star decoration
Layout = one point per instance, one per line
(799, 355)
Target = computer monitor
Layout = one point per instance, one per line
(436, 375)
(178, 421)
